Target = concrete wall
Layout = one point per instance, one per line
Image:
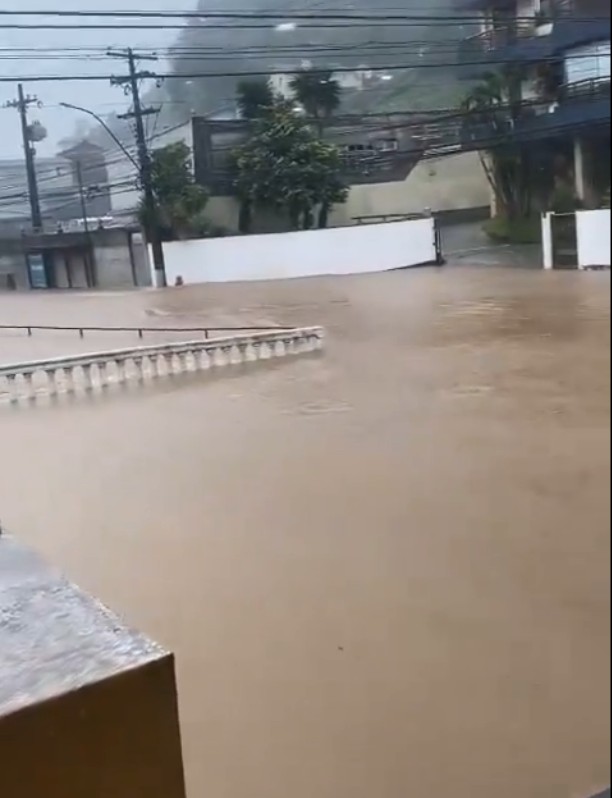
(113, 267)
(87, 706)
(13, 266)
(346, 250)
(593, 230)
(120, 256)
(592, 238)
(453, 183)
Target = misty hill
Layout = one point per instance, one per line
(331, 43)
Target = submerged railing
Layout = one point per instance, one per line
(97, 370)
(29, 329)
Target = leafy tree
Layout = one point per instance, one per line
(318, 93)
(493, 109)
(253, 97)
(180, 200)
(284, 165)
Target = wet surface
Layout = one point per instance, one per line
(55, 639)
(384, 571)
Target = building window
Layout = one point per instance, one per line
(387, 145)
(588, 63)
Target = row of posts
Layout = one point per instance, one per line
(74, 374)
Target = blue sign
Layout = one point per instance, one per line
(37, 271)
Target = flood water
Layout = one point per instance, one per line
(384, 570)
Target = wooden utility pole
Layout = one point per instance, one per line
(130, 82)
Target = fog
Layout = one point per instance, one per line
(213, 50)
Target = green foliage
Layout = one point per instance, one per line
(565, 200)
(253, 97)
(516, 231)
(512, 168)
(179, 211)
(317, 92)
(285, 166)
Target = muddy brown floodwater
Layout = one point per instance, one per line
(385, 570)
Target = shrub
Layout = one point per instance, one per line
(514, 231)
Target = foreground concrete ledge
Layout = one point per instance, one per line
(88, 707)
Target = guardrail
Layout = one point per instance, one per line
(30, 328)
(87, 372)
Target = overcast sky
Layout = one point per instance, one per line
(99, 96)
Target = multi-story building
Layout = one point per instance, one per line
(561, 51)
(60, 182)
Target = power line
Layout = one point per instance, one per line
(269, 73)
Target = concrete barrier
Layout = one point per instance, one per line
(27, 381)
(308, 253)
(593, 236)
(592, 230)
(88, 707)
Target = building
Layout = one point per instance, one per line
(386, 162)
(562, 48)
(79, 170)
(111, 258)
(54, 178)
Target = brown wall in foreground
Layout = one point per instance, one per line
(118, 738)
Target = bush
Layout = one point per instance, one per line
(514, 231)
(565, 200)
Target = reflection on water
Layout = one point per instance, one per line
(384, 571)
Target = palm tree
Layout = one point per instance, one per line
(318, 93)
(492, 110)
(254, 97)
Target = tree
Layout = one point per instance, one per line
(493, 109)
(318, 93)
(284, 165)
(253, 97)
(180, 200)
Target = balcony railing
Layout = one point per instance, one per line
(584, 90)
(501, 36)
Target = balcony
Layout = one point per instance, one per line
(583, 105)
(579, 106)
(568, 24)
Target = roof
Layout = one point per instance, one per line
(82, 149)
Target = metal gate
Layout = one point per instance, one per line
(564, 240)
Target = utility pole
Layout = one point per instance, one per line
(22, 103)
(91, 255)
(130, 83)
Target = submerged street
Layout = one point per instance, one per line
(384, 569)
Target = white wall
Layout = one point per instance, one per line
(593, 229)
(342, 250)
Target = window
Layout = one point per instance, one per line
(588, 63)
(387, 145)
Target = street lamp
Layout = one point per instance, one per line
(106, 127)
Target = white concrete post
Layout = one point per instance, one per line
(547, 242)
